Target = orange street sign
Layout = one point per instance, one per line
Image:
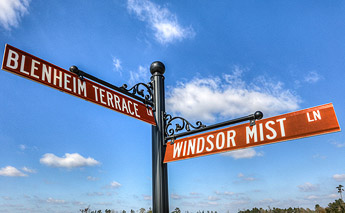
(28, 66)
(304, 123)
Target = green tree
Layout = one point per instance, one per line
(340, 190)
(177, 210)
(142, 210)
(337, 206)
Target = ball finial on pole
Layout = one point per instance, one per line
(157, 66)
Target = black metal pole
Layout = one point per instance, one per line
(160, 195)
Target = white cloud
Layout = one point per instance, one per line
(22, 147)
(141, 75)
(11, 12)
(115, 184)
(312, 197)
(175, 196)
(245, 178)
(339, 177)
(338, 145)
(11, 171)
(161, 21)
(213, 198)
(55, 201)
(67, 161)
(308, 187)
(117, 65)
(207, 99)
(147, 197)
(243, 153)
(226, 193)
(312, 77)
(90, 178)
(28, 170)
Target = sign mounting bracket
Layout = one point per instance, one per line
(200, 127)
(123, 89)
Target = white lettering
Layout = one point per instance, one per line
(96, 92)
(117, 102)
(101, 92)
(282, 128)
(22, 66)
(251, 133)
(309, 120)
(149, 112)
(261, 129)
(317, 115)
(124, 106)
(82, 87)
(74, 85)
(136, 110)
(33, 68)
(200, 148)
(12, 57)
(184, 148)
(222, 135)
(46, 73)
(274, 133)
(57, 77)
(191, 147)
(177, 149)
(231, 138)
(66, 81)
(129, 107)
(210, 142)
(110, 99)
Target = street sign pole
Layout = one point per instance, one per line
(160, 195)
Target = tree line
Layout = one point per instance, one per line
(338, 206)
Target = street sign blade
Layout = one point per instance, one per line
(304, 123)
(31, 67)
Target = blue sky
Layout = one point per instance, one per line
(224, 59)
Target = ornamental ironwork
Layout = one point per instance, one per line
(182, 125)
(135, 90)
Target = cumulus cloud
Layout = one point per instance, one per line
(11, 171)
(147, 197)
(245, 178)
(67, 161)
(207, 99)
(312, 77)
(243, 153)
(308, 187)
(22, 147)
(115, 184)
(339, 177)
(117, 65)
(164, 23)
(55, 201)
(11, 11)
(338, 145)
(90, 178)
(175, 196)
(141, 75)
(28, 170)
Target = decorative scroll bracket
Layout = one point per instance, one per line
(135, 90)
(170, 131)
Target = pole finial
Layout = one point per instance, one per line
(157, 66)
